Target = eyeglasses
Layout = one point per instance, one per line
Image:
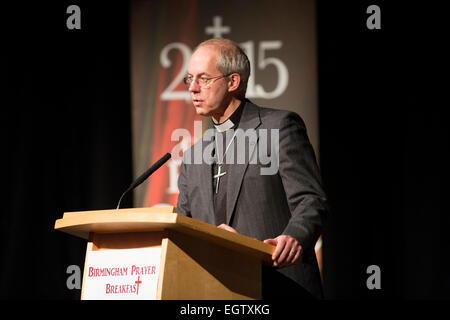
(202, 81)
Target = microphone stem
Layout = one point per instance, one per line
(120, 200)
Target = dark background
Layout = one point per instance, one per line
(384, 144)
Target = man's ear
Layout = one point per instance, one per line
(234, 80)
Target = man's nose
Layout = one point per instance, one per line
(194, 87)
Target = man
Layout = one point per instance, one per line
(285, 207)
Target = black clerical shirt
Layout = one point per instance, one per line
(223, 139)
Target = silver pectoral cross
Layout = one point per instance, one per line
(217, 176)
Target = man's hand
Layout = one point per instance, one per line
(227, 227)
(287, 252)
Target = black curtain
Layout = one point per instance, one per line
(66, 102)
(384, 150)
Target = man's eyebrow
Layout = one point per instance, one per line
(199, 75)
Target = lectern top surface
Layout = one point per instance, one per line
(82, 224)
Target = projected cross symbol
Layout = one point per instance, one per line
(217, 29)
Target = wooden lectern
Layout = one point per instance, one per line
(198, 260)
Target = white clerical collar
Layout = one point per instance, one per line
(224, 126)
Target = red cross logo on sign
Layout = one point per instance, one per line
(138, 282)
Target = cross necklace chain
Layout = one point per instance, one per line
(220, 163)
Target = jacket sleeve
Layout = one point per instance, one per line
(301, 180)
(183, 206)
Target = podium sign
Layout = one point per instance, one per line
(128, 274)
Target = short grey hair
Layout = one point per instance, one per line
(232, 59)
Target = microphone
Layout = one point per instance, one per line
(145, 175)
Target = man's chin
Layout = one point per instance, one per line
(202, 112)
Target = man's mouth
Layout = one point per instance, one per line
(197, 102)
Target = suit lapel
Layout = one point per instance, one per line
(207, 178)
(250, 119)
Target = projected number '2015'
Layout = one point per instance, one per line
(254, 90)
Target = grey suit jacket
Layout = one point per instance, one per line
(262, 206)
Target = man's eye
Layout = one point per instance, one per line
(203, 79)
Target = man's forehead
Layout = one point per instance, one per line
(203, 60)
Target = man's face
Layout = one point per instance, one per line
(212, 99)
